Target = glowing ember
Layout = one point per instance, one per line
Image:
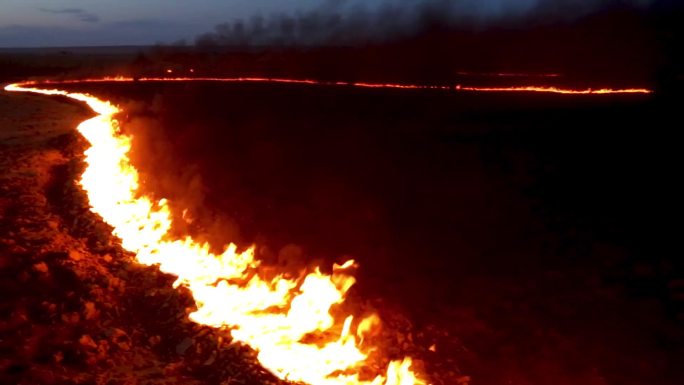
(273, 316)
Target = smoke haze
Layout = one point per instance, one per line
(352, 22)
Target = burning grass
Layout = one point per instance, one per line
(274, 315)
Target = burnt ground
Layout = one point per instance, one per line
(527, 236)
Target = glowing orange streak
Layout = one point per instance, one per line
(556, 90)
(542, 89)
(508, 74)
(272, 316)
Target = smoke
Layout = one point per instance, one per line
(351, 22)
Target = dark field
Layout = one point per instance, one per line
(536, 230)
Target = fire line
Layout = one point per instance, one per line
(457, 88)
(271, 315)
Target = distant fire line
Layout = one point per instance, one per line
(457, 88)
(509, 74)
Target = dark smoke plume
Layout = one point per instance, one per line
(348, 22)
(588, 42)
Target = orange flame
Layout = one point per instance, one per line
(271, 315)
(458, 87)
(556, 90)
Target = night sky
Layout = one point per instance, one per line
(36, 23)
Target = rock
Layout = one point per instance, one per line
(75, 255)
(89, 311)
(71, 318)
(51, 308)
(41, 267)
(173, 368)
(87, 341)
(211, 359)
(184, 345)
(120, 339)
(154, 340)
(102, 349)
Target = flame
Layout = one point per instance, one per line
(290, 322)
(457, 87)
(509, 74)
(556, 90)
(277, 317)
